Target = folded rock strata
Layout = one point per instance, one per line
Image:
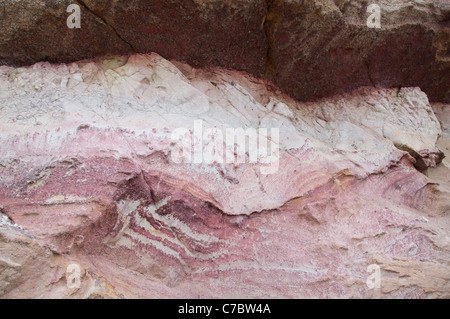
(87, 176)
(294, 43)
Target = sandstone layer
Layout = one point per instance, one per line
(309, 48)
(87, 177)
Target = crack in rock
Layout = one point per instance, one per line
(85, 6)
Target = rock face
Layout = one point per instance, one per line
(293, 43)
(93, 172)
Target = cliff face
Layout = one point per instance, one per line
(294, 43)
(231, 149)
(93, 175)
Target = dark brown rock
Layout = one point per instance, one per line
(36, 31)
(203, 33)
(310, 49)
(319, 48)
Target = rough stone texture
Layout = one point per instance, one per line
(86, 170)
(34, 31)
(310, 39)
(309, 48)
(205, 33)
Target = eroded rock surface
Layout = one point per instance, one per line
(88, 176)
(309, 48)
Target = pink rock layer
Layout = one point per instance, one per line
(89, 182)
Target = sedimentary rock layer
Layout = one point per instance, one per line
(88, 176)
(309, 48)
